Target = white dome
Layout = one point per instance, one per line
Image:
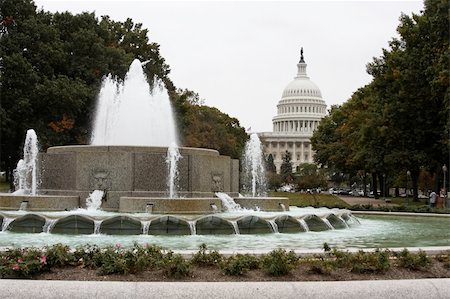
(301, 87)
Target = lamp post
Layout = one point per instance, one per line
(444, 170)
(384, 186)
(408, 173)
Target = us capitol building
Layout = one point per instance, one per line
(299, 112)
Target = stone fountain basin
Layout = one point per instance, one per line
(134, 171)
(98, 222)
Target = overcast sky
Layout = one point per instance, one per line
(240, 55)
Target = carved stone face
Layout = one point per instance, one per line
(216, 185)
(100, 180)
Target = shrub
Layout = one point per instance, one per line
(413, 261)
(84, 255)
(322, 267)
(59, 255)
(22, 263)
(278, 262)
(370, 262)
(176, 266)
(239, 264)
(444, 258)
(204, 258)
(111, 260)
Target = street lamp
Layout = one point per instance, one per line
(444, 170)
(408, 173)
(384, 186)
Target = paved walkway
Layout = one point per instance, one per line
(36, 289)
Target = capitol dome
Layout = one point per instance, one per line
(301, 106)
(299, 112)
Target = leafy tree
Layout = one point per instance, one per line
(270, 165)
(286, 167)
(51, 70)
(309, 176)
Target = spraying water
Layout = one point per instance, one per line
(25, 175)
(253, 176)
(173, 155)
(130, 113)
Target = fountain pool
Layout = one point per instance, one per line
(373, 231)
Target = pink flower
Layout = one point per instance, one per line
(118, 245)
(43, 260)
(20, 261)
(15, 267)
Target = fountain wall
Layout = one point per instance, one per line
(134, 171)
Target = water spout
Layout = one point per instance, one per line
(94, 200)
(253, 176)
(25, 175)
(173, 156)
(130, 113)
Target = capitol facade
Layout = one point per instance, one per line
(298, 114)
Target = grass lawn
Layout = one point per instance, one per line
(410, 202)
(306, 199)
(4, 186)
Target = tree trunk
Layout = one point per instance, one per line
(374, 185)
(415, 179)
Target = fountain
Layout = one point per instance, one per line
(25, 175)
(134, 179)
(253, 168)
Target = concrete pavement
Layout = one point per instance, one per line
(36, 289)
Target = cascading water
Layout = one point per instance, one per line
(228, 202)
(25, 175)
(94, 201)
(253, 176)
(131, 113)
(173, 155)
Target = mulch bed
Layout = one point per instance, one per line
(214, 274)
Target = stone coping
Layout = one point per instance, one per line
(399, 214)
(124, 148)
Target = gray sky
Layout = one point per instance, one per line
(240, 55)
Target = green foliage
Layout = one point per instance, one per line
(22, 263)
(176, 266)
(239, 264)
(59, 255)
(52, 68)
(206, 258)
(278, 262)
(413, 261)
(322, 267)
(326, 247)
(207, 127)
(270, 165)
(286, 167)
(310, 177)
(400, 120)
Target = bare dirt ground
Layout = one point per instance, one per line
(213, 274)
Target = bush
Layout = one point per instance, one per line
(278, 262)
(203, 258)
(59, 255)
(444, 258)
(84, 255)
(239, 264)
(111, 261)
(321, 267)
(413, 261)
(22, 263)
(176, 266)
(370, 262)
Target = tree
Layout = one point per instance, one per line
(286, 167)
(310, 177)
(270, 165)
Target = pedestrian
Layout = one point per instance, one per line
(432, 199)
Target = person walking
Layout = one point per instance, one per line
(432, 199)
